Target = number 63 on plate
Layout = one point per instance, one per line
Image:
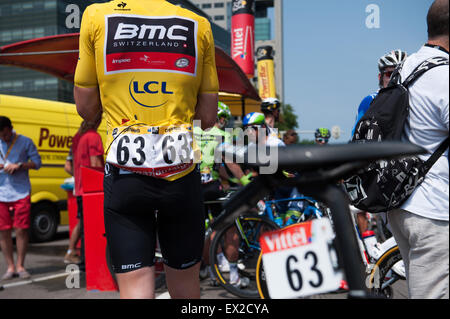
(299, 260)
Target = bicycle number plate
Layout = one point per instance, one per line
(299, 260)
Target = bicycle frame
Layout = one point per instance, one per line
(330, 195)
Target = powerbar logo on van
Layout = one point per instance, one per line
(135, 43)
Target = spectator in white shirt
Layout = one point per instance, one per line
(420, 227)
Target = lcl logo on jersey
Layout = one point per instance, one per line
(140, 92)
(150, 44)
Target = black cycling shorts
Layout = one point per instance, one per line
(132, 225)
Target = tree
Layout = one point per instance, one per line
(288, 119)
(307, 142)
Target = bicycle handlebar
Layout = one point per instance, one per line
(319, 167)
(311, 157)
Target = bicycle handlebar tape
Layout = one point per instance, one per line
(243, 35)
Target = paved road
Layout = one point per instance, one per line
(45, 263)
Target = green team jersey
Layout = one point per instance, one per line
(208, 141)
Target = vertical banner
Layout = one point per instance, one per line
(266, 72)
(243, 35)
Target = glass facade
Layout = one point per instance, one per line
(262, 29)
(22, 20)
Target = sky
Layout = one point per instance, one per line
(331, 56)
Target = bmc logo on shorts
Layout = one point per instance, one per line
(146, 44)
(131, 266)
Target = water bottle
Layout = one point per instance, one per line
(279, 221)
(370, 241)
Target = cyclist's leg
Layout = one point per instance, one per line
(183, 284)
(282, 193)
(130, 227)
(139, 284)
(211, 191)
(427, 272)
(394, 219)
(295, 208)
(181, 233)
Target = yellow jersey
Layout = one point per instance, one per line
(150, 60)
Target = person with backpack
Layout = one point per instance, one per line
(420, 225)
(413, 190)
(386, 66)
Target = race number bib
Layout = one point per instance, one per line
(160, 152)
(299, 260)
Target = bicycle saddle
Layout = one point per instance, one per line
(308, 157)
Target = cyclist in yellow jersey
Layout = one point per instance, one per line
(150, 67)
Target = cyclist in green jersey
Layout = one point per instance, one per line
(211, 167)
(213, 173)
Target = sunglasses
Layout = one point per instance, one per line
(388, 73)
(322, 140)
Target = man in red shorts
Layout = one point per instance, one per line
(18, 154)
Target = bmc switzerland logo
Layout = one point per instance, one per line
(137, 43)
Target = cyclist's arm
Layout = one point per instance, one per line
(206, 109)
(96, 161)
(88, 103)
(208, 97)
(86, 91)
(363, 107)
(68, 167)
(236, 170)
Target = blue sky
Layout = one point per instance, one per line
(331, 56)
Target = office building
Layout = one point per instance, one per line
(219, 12)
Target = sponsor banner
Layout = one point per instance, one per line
(137, 43)
(266, 73)
(243, 35)
(287, 238)
(243, 6)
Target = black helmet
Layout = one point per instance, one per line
(322, 133)
(270, 104)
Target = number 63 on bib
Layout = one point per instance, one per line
(155, 151)
(299, 260)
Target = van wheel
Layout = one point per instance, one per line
(44, 222)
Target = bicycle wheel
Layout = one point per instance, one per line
(263, 292)
(387, 270)
(244, 233)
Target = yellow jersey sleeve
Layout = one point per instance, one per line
(209, 82)
(86, 72)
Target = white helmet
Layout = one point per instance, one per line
(391, 59)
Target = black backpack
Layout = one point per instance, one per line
(386, 185)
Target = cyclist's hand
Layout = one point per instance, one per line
(246, 179)
(234, 180)
(288, 174)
